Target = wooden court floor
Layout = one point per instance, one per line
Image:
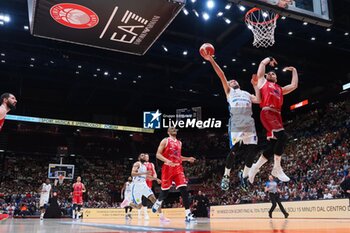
(177, 225)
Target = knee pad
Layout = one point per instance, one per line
(269, 151)
(144, 201)
(74, 206)
(185, 198)
(250, 153)
(280, 143)
(163, 195)
(79, 207)
(232, 156)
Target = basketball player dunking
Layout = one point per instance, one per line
(169, 151)
(8, 103)
(78, 190)
(45, 191)
(242, 133)
(270, 116)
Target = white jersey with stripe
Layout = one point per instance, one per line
(240, 107)
(45, 190)
(141, 178)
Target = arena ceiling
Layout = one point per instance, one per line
(62, 80)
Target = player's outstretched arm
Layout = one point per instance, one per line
(221, 74)
(294, 83)
(257, 97)
(188, 159)
(262, 66)
(135, 170)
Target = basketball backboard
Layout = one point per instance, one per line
(67, 170)
(312, 11)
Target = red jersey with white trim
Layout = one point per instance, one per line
(149, 167)
(271, 95)
(2, 121)
(78, 189)
(172, 150)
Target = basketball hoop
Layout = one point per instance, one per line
(262, 23)
(60, 179)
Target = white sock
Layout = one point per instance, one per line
(246, 171)
(262, 160)
(277, 163)
(145, 210)
(41, 215)
(227, 172)
(187, 212)
(159, 202)
(73, 213)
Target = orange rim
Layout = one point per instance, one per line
(257, 23)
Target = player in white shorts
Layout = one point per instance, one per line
(242, 133)
(139, 186)
(44, 190)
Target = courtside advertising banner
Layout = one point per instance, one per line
(129, 26)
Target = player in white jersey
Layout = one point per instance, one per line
(139, 186)
(126, 194)
(44, 190)
(242, 133)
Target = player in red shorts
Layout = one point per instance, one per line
(270, 116)
(151, 169)
(78, 190)
(8, 103)
(169, 151)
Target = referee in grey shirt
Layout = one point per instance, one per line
(271, 188)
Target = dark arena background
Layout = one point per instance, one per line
(98, 83)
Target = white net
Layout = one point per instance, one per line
(262, 23)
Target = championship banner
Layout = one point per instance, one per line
(120, 213)
(338, 208)
(129, 26)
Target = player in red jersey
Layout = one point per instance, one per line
(150, 167)
(78, 190)
(153, 173)
(8, 103)
(169, 151)
(270, 116)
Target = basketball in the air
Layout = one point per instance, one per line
(206, 50)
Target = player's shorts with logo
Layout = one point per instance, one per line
(245, 134)
(78, 199)
(272, 121)
(173, 174)
(139, 189)
(44, 200)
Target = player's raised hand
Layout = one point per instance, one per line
(289, 68)
(254, 80)
(158, 181)
(273, 62)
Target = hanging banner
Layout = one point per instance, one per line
(129, 26)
